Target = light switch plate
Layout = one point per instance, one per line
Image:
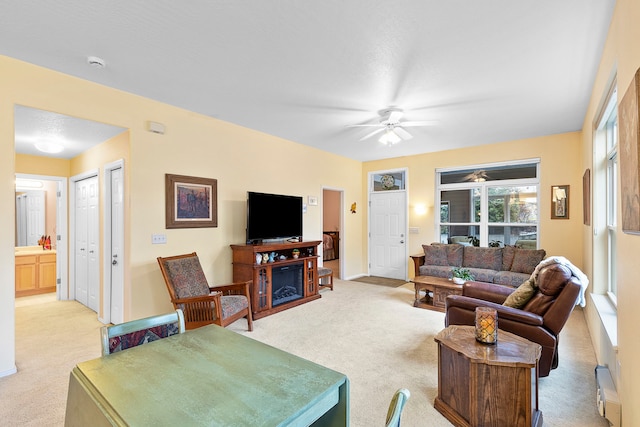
(158, 239)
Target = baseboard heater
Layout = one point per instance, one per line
(607, 396)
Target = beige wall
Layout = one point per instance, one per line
(621, 57)
(239, 158)
(560, 162)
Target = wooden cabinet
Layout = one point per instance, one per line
(487, 385)
(35, 274)
(295, 278)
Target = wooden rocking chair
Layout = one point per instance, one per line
(201, 304)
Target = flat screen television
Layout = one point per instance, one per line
(273, 216)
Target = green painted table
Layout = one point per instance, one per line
(207, 376)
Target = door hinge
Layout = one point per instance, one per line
(58, 281)
(58, 237)
(59, 193)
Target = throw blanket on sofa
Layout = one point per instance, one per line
(584, 281)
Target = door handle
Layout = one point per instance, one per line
(114, 262)
(401, 241)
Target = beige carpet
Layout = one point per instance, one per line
(373, 334)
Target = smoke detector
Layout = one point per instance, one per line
(95, 62)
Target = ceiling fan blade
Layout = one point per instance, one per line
(369, 135)
(402, 133)
(414, 123)
(367, 125)
(394, 116)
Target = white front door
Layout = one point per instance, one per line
(387, 241)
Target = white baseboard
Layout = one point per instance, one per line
(8, 372)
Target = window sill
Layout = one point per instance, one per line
(608, 316)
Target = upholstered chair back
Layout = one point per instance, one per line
(186, 277)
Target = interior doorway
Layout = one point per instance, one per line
(55, 220)
(332, 231)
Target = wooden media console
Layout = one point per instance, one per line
(283, 283)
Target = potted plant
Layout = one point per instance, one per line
(461, 275)
(295, 253)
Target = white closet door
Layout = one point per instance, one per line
(117, 246)
(93, 244)
(81, 240)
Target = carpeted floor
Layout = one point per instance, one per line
(381, 342)
(382, 281)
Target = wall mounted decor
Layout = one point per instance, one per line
(628, 157)
(586, 197)
(190, 202)
(560, 202)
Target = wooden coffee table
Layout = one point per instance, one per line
(435, 291)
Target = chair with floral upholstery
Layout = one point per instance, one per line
(201, 304)
(137, 332)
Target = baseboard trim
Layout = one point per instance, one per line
(8, 372)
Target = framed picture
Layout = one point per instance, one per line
(190, 202)
(586, 197)
(628, 156)
(560, 202)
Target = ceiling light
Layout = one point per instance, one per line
(389, 137)
(49, 147)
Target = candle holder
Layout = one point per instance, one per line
(486, 325)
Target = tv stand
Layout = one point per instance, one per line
(246, 267)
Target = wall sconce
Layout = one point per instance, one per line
(353, 207)
(420, 209)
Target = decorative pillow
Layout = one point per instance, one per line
(526, 260)
(489, 258)
(508, 253)
(435, 255)
(521, 296)
(454, 253)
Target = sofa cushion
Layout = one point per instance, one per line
(526, 260)
(508, 253)
(482, 274)
(489, 258)
(521, 296)
(435, 271)
(435, 255)
(510, 278)
(455, 252)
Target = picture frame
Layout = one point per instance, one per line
(629, 140)
(559, 202)
(190, 202)
(586, 197)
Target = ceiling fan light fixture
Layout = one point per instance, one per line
(49, 147)
(389, 137)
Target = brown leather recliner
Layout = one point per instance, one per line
(539, 320)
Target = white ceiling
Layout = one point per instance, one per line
(485, 71)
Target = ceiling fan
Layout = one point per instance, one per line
(391, 127)
(476, 176)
